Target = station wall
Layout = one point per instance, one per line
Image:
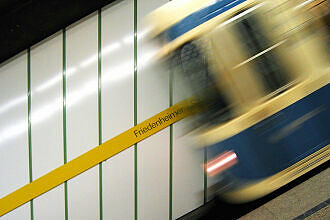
(81, 87)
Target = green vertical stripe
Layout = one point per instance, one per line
(29, 121)
(64, 94)
(64, 119)
(205, 177)
(171, 149)
(99, 50)
(135, 112)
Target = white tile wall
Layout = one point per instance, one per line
(188, 184)
(153, 153)
(118, 101)
(82, 115)
(47, 122)
(14, 150)
(117, 110)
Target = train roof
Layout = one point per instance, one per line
(164, 17)
(180, 21)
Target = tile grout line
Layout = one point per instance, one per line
(99, 71)
(135, 112)
(205, 176)
(66, 211)
(171, 150)
(29, 123)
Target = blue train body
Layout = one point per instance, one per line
(281, 140)
(199, 17)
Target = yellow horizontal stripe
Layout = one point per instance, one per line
(96, 155)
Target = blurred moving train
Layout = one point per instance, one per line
(260, 69)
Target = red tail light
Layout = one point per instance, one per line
(221, 163)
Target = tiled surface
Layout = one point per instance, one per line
(14, 154)
(186, 160)
(118, 78)
(152, 153)
(82, 115)
(297, 201)
(46, 120)
(79, 51)
(261, 213)
(322, 214)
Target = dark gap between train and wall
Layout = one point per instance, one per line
(221, 210)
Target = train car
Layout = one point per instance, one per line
(260, 69)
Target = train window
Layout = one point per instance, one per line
(267, 66)
(196, 72)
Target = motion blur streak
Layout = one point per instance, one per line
(260, 71)
(221, 163)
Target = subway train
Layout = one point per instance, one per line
(260, 71)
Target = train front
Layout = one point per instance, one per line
(259, 71)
